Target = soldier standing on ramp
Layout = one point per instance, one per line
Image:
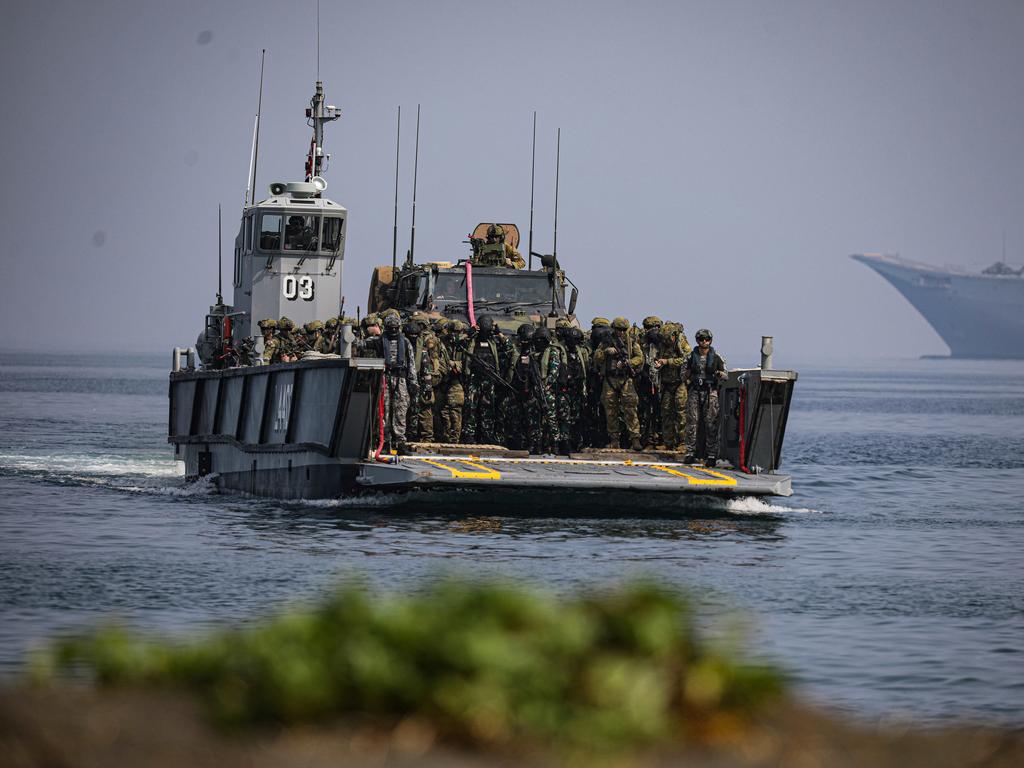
(400, 381)
(619, 358)
(705, 368)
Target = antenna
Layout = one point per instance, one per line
(558, 157)
(533, 168)
(317, 39)
(415, 173)
(220, 260)
(398, 147)
(256, 133)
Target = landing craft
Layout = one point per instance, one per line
(312, 429)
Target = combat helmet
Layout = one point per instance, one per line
(313, 326)
(456, 326)
(331, 324)
(620, 324)
(347, 320)
(703, 333)
(392, 321)
(268, 324)
(652, 321)
(525, 332)
(496, 231)
(600, 321)
(286, 324)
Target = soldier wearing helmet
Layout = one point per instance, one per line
(523, 408)
(268, 327)
(495, 252)
(452, 396)
(551, 364)
(672, 353)
(288, 344)
(572, 394)
(428, 354)
(648, 384)
(594, 416)
(705, 370)
(400, 384)
(484, 362)
(619, 358)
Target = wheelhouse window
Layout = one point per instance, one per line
(332, 234)
(302, 232)
(247, 226)
(270, 232)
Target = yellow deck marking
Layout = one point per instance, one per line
(482, 473)
(721, 479)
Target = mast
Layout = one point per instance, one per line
(318, 115)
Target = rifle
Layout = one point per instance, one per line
(488, 369)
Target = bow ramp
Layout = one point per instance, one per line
(561, 475)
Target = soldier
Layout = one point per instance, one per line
(268, 327)
(452, 396)
(369, 335)
(400, 381)
(705, 369)
(329, 338)
(427, 357)
(572, 394)
(620, 358)
(313, 340)
(647, 385)
(288, 344)
(549, 363)
(672, 352)
(524, 429)
(483, 361)
(495, 252)
(594, 416)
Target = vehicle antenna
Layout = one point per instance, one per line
(558, 157)
(220, 259)
(256, 134)
(398, 148)
(415, 172)
(317, 39)
(533, 168)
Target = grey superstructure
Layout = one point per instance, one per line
(978, 315)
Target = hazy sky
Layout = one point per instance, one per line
(720, 160)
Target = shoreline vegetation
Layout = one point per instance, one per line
(460, 673)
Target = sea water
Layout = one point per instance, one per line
(891, 584)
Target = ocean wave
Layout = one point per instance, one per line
(84, 464)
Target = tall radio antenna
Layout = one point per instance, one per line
(533, 168)
(220, 259)
(251, 197)
(415, 174)
(558, 157)
(398, 149)
(317, 39)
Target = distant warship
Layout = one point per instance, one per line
(979, 315)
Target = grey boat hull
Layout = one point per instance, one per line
(978, 316)
(306, 431)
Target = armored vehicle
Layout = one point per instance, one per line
(313, 427)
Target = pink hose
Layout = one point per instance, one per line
(469, 293)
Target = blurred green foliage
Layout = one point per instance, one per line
(484, 662)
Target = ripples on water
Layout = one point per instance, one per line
(889, 584)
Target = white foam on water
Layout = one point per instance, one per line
(751, 505)
(77, 465)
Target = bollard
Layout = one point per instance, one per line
(767, 347)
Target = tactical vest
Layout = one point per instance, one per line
(545, 365)
(394, 353)
(610, 371)
(491, 255)
(706, 379)
(486, 351)
(524, 372)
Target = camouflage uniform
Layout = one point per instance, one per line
(495, 252)
(703, 374)
(673, 350)
(288, 345)
(594, 415)
(428, 357)
(400, 381)
(550, 363)
(452, 397)
(314, 336)
(572, 395)
(648, 385)
(619, 358)
(270, 343)
(480, 415)
(524, 421)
